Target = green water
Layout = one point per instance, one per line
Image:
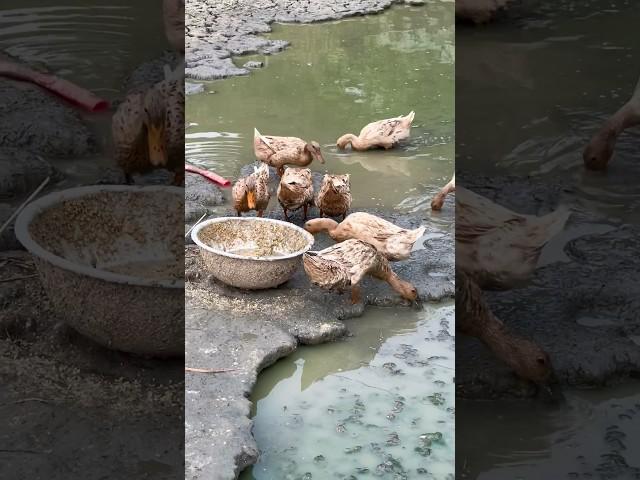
(361, 407)
(335, 78)
(532, 91)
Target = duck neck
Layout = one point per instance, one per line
(399, 285)
(326, 225)
(347, 139)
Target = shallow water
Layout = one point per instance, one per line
(335, 78)
(533, 89)
(369, 405)
(89, 43)
(530, 93)
(593, 435)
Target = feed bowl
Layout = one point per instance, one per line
(111, 261)
(250, 252)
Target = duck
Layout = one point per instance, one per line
(334, 197)
(148, 130)
(295, 190)
(343, 265)
(475, 318)
(252, 192)
(280, 151)
(497, 247)
(394, 242)
(438, 200)
(381, 134)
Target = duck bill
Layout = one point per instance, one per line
(251, 200)
(157, 153)
(318, 156)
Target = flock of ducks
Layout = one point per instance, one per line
(496, 248)
(366, 243)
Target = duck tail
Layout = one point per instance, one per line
(258, 136)
(418, 232)
(552, 224)
(410, 116)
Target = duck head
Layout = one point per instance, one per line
(314, 149)
(339, 183)
(599, 150)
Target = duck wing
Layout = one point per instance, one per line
(396, 128)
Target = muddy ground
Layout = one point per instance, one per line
(227, 328)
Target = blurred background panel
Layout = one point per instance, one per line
(91, 269)
(546, 253)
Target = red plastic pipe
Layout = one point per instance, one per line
(65, 89)
(215, 178)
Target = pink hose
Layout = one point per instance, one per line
(65, 89)
(223, 182)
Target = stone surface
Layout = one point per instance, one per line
(217, 427)
(200, 196)
(193, 88)
(151, 72)
(21, 172)
(253, 65)
(33, 119)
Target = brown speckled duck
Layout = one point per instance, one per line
(393, 242)
(148, 130)
(252, 192)
(343, 265)
(497, 247)
(280, 151)
(381, 134)
(475, 318)
(295, 190)
(334, 197)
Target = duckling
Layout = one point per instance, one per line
(252, 192)
(148, 130)
(281, 151)
(475, 318)
(334, 197)
(381, 134)
(499, 248)
(295, 190)
(438, 199)
(393, 242)
(345, 264)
